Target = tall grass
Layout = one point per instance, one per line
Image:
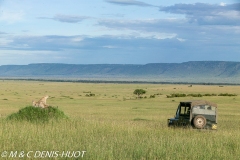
(107, 127)
(112, 141)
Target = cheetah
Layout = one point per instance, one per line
(42, 103)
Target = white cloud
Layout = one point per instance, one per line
(77, 39)
(153, 35)
(11, 16)
(181, 39)
(4, 42)
(222, 4)
(150, 29)
(199, 29)
(110, 47)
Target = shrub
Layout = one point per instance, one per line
(176, 95)
(226, 94)
(152, 96)
(139, 92)
(198, 95)
(37, 114)
(195, 95)
(208, 94)
(90, 95)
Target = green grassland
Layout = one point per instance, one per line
(113, 124)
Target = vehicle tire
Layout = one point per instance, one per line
(170, 124)
(199, 121)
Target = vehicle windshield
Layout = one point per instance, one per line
(177, 113)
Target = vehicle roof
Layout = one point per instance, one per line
(199, 102)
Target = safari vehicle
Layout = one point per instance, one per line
(199, 114)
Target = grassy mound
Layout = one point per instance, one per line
(36, 114)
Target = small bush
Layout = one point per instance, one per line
(91, 95)
(152, 96)
(227, 94)
(37, 114)
(194, 95)
(176, 95)
(208, 94)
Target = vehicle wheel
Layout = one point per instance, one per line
(170, 124)
(199, 122)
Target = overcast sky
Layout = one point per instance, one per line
(118, 31)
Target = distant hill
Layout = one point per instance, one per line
(199, 71)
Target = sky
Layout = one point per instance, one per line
(118, 31)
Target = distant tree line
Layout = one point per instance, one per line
(198, 95)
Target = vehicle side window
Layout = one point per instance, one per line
(202, 107)
(196, 107)
(210, 108)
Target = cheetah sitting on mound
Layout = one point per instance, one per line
(42, 103)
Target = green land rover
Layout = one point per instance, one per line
(199, 114)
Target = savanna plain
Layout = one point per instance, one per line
(109, 122)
